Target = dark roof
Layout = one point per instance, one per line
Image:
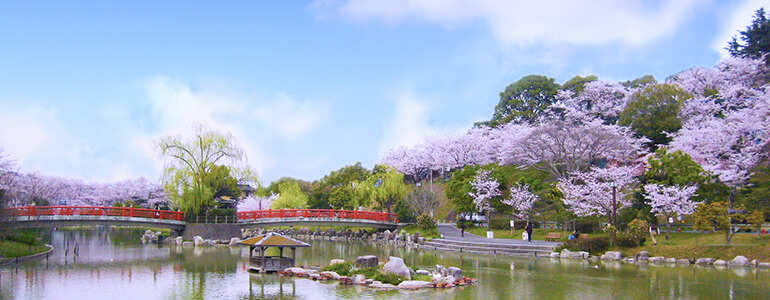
(273, 240)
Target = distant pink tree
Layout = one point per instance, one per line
(522, 200)
(598, 100)
(670, 201)
(257, 202)
(485, 187)
(591, 193)
(561, 148)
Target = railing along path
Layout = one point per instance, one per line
(35, 211)
(318, 213)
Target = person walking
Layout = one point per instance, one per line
(528, 229)
(462, 228)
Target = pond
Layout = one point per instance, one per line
(111, 263)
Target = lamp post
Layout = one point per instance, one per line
(614, 205)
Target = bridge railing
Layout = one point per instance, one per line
(33, 211)
(318, 213)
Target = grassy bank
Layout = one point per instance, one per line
(13, 249)
(679, 245)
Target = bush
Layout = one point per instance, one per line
(628, 242)
(388, 278)
(585, 227)
(24, 237)
(425, 222)
(595, 245)
(370, 272)
(343, 269)
(637, 229)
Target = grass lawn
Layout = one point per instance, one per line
(679, 245)
(431, 234)
(11, 249)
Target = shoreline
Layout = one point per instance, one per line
(33, 257)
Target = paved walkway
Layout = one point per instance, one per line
(451, 232)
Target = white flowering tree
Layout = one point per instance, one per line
(670, 201)
(252, 203)
(522, 200)
(592, 193)
(485, 187)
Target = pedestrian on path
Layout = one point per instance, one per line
(462, 228)
(528, 229)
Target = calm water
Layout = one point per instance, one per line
(112, 264)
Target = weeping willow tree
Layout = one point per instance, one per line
(385, 187)
(190, 162)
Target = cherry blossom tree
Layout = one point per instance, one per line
(257, 202)
(591, 193)
(485, 187)
(670, 201)
(599, 100)
(561, 148)
(522, 200)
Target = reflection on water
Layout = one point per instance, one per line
(111, 264)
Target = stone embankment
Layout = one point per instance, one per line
(440, 277)
(644, 257)
(397, 237)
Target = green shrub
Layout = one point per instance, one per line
(370, 272)
(628, 242)
(24, 237)
(388, 278)
(425, 222)
(422, 277)
(595, 245)
(637, 229)
(343, 269)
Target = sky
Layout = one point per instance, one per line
(307, 87)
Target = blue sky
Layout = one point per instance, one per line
(309, 86)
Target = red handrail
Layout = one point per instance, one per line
(318, 213)
(33, 211)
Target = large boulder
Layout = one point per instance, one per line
(359, 279)
(565, 253)
(423, 272)
(455, 272)
(414, 284)
(740, 261)
(234, 241)
(657, 259)
(330, 275)
(612, 255)
(554, 255)
(643, 255)
(198, 240)
(440, 270)
(336, 261)
(705, 261)
(382, 286)
(396, 266)
(367, 261)
(579, 255)
(720, 263)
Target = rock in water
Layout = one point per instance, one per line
(395, 265)
(367, 261)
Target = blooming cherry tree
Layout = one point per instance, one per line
(522, 200)
(591, 193)
(258, 202)
(670, 200)
(485, 187)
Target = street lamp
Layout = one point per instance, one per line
(614, 186)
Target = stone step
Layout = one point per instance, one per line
(455, 243)
(488, 248)
(502, 251)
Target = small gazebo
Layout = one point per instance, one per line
(264, 263)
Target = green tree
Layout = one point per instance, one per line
(653, 111)
(525, 100)
(291, 196)
(339, 189)
(385, 187)
(716, 216)
(673, 168)
(755, 39)
(578, 83)
(188, 162)
(640, 82)
(756, 194)
(221, 181)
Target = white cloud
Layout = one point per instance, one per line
(522, 23)
(409, 124)
(24, 132)
(291, 118)
(737, 18)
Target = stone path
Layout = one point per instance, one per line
(451, 232)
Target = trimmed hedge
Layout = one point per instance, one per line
(597, 245)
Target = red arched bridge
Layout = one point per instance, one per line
(62, 216)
